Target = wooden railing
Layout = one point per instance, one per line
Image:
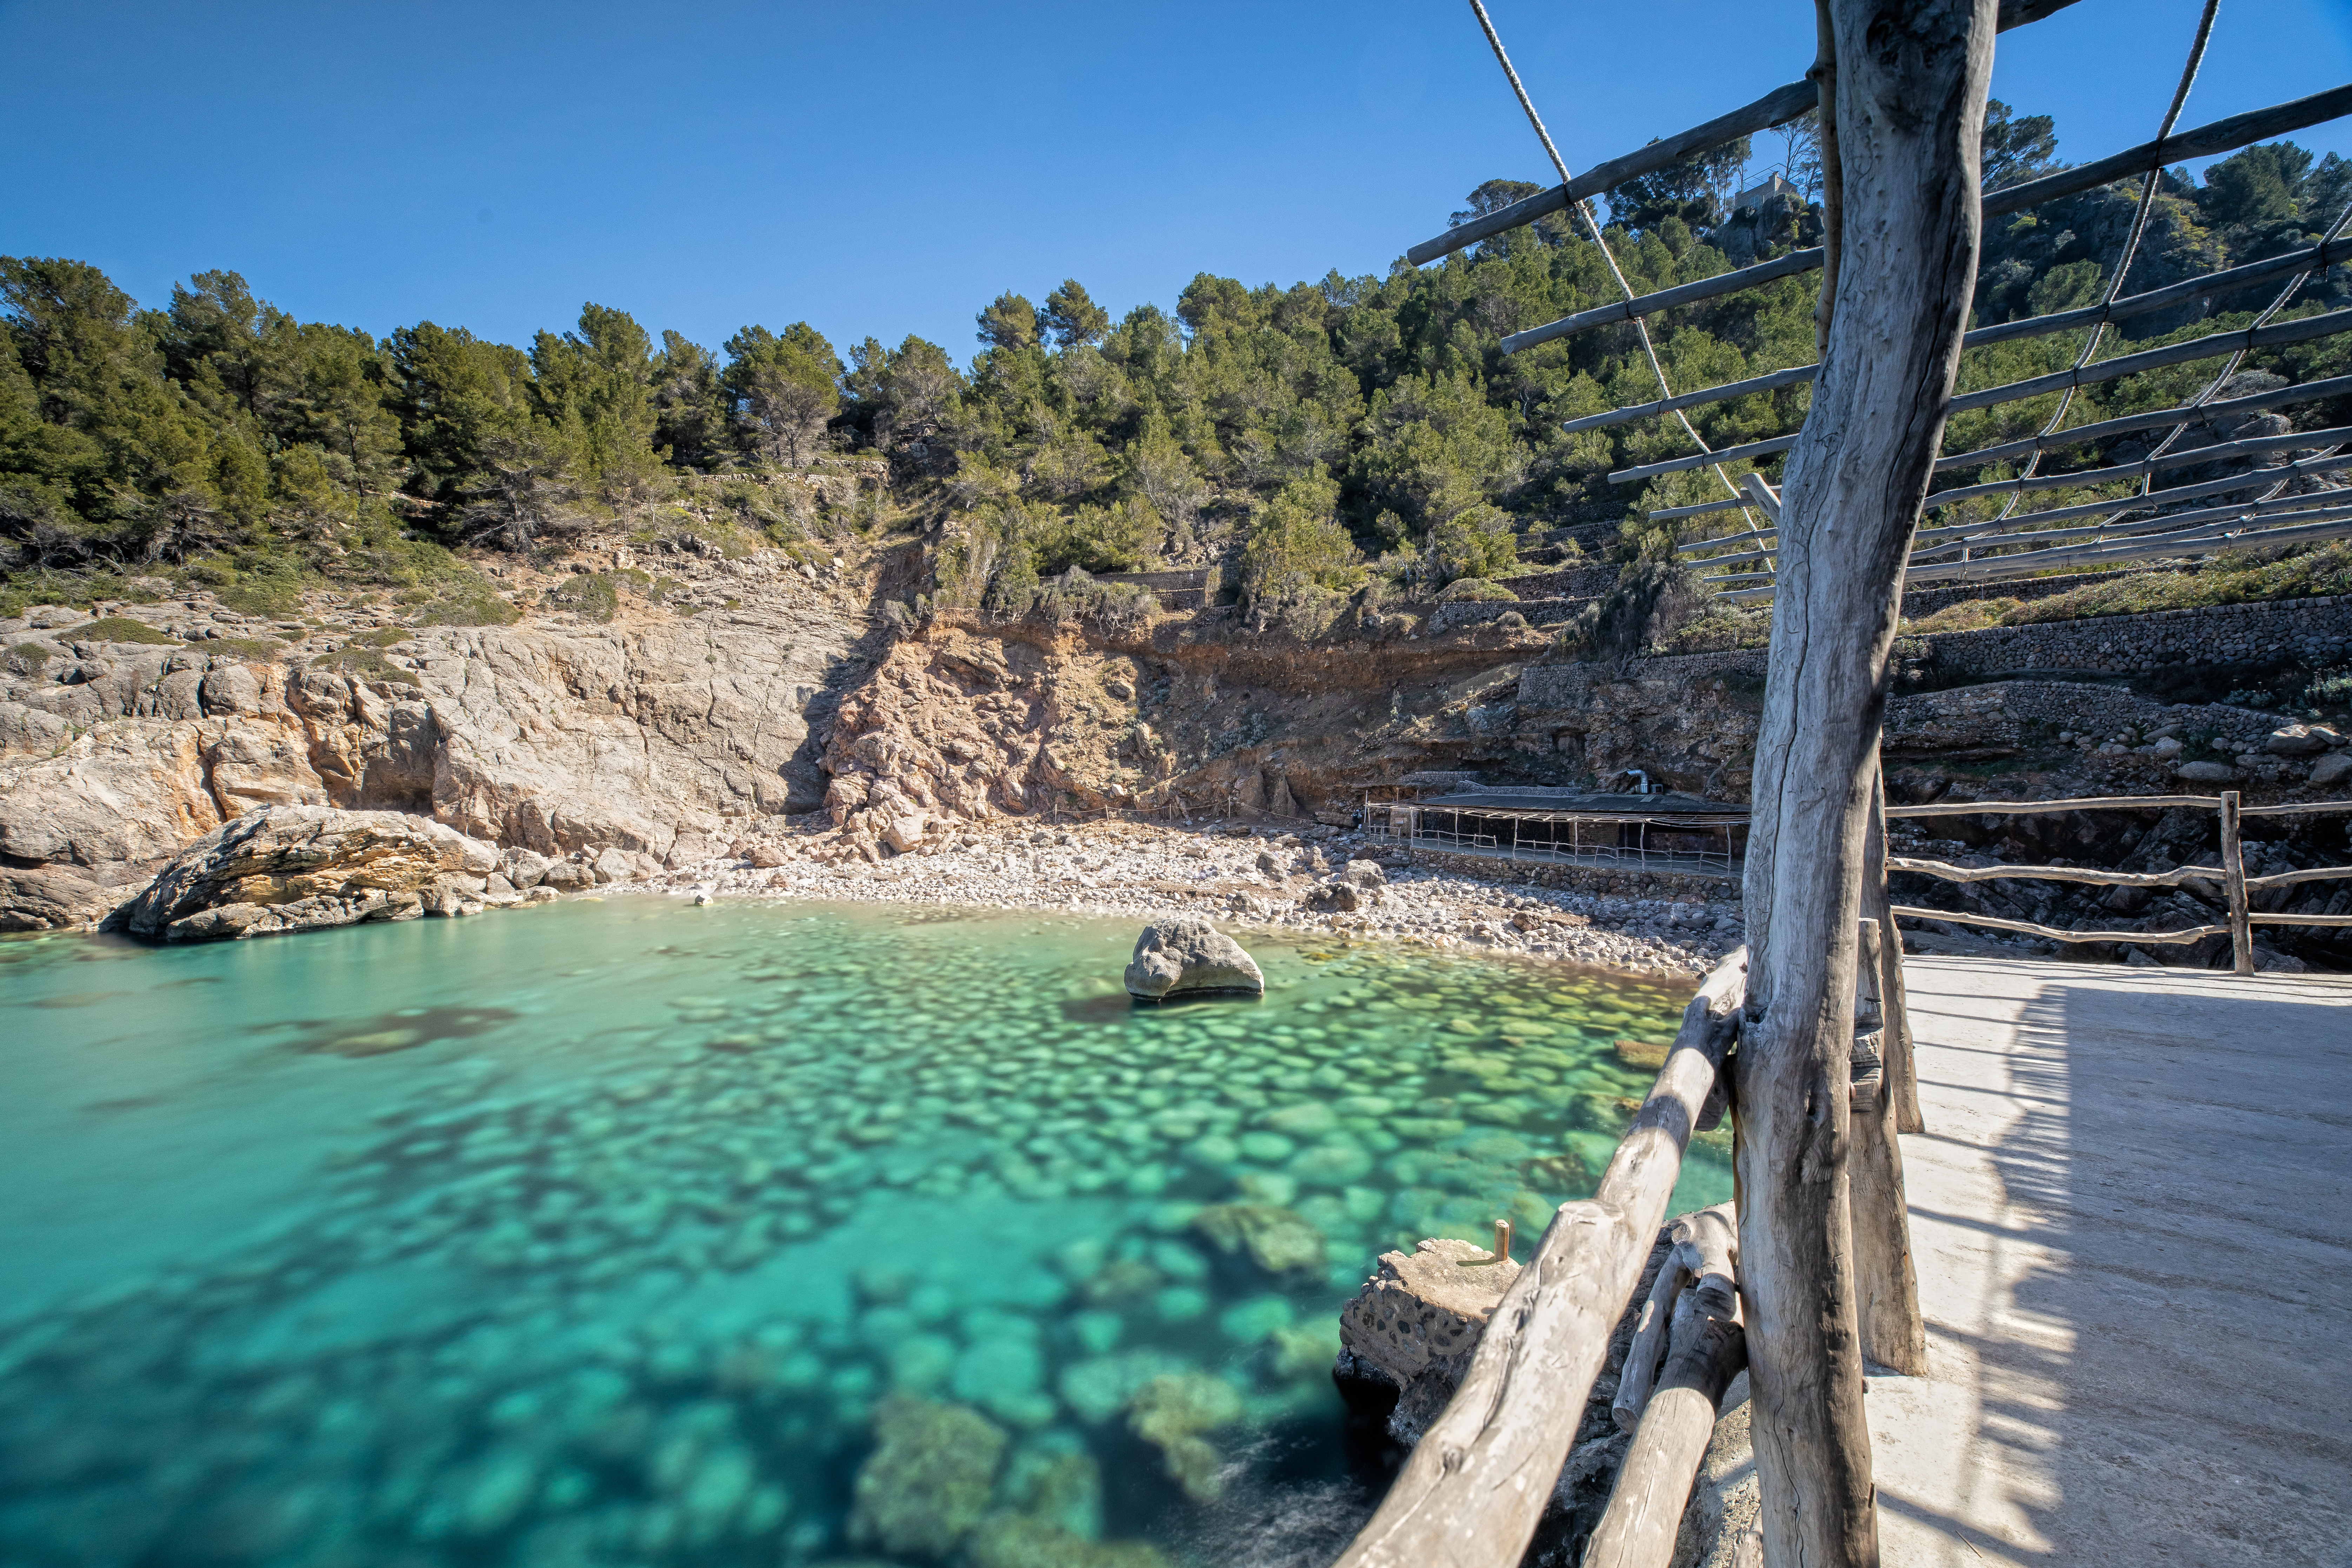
(2236, 885)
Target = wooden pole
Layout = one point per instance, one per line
(1887, 1283)
(1478, 1481)
(1902, 1082)
(2233, 879)
(1909, 111)
(1640, 1374)
(1645, 1513)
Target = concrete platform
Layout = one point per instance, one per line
(2132, 1217)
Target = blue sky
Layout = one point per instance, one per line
(887, 169)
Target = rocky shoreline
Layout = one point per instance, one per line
(1244, 878)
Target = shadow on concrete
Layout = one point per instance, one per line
(2182, 1372)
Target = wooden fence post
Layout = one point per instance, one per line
(1887, 1283)
(2233, 878)
(1902, 1078)
(1909, 114)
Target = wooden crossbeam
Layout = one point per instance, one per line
(2210, 346)
(1777, 107)
(2252, 273)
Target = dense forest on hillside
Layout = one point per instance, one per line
(1311, 436)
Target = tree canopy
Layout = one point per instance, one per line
(1304, 434)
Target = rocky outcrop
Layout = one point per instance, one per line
(286, 868)
(1416, 1320)
(1190, 958)
(657, 733)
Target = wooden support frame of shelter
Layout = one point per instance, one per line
(1902, 92)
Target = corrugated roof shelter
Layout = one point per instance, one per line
(1684, 834)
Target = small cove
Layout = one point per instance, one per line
(600, 1233)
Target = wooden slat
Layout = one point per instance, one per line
(2315, 257)
(2334, 524)
(2313, 440)
(1775, 108)
(1690, 293)
(2000, 536)
(2295, 809)
(2156, 938)
(1946, 871)
(1478, 1481)
(2210, 346)
(2036, 807)
(2221, 136)
(2026, 446)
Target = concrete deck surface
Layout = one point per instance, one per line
(2131, 1213)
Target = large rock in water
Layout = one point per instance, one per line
(303, 867)
(1189, 957)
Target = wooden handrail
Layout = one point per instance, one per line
(2236, 885)
(1478, 1482)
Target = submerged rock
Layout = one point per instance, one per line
(1189, 957)
(1277, 1240)
(928, 1480)
(1172, 1412)
(301, 868)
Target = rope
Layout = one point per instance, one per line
(2149, 183)
(1641, 325)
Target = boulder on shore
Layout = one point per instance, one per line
(1189, 957)
(301, 868)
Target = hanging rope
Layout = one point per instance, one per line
(2149, 185)
(1641, 325)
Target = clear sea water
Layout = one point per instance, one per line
(614, 1233)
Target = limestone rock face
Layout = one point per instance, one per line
(54, 898)
(643, 734)
(300, 867)
(1189, 957)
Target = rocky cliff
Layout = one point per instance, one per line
(124, 737)
(668, 730)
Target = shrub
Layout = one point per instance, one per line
(121, 629)
(1475, 590)
(26, 658)
(367, 664)
(595, 596)
(245, 647)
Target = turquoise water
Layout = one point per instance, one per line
(616, 1233)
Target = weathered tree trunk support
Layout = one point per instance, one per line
(1902, 1078)
(1645, 1507)
(1477, 1481)
(1823, 75)
(2234, 880)
(1887, 1283)
(1909, 110)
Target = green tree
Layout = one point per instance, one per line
(1698, 189)
(690, 406)
(1010, 322)
(595, 386)
(786, 387)
(1296, 544)
(1072, 316)
(2016, 148)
